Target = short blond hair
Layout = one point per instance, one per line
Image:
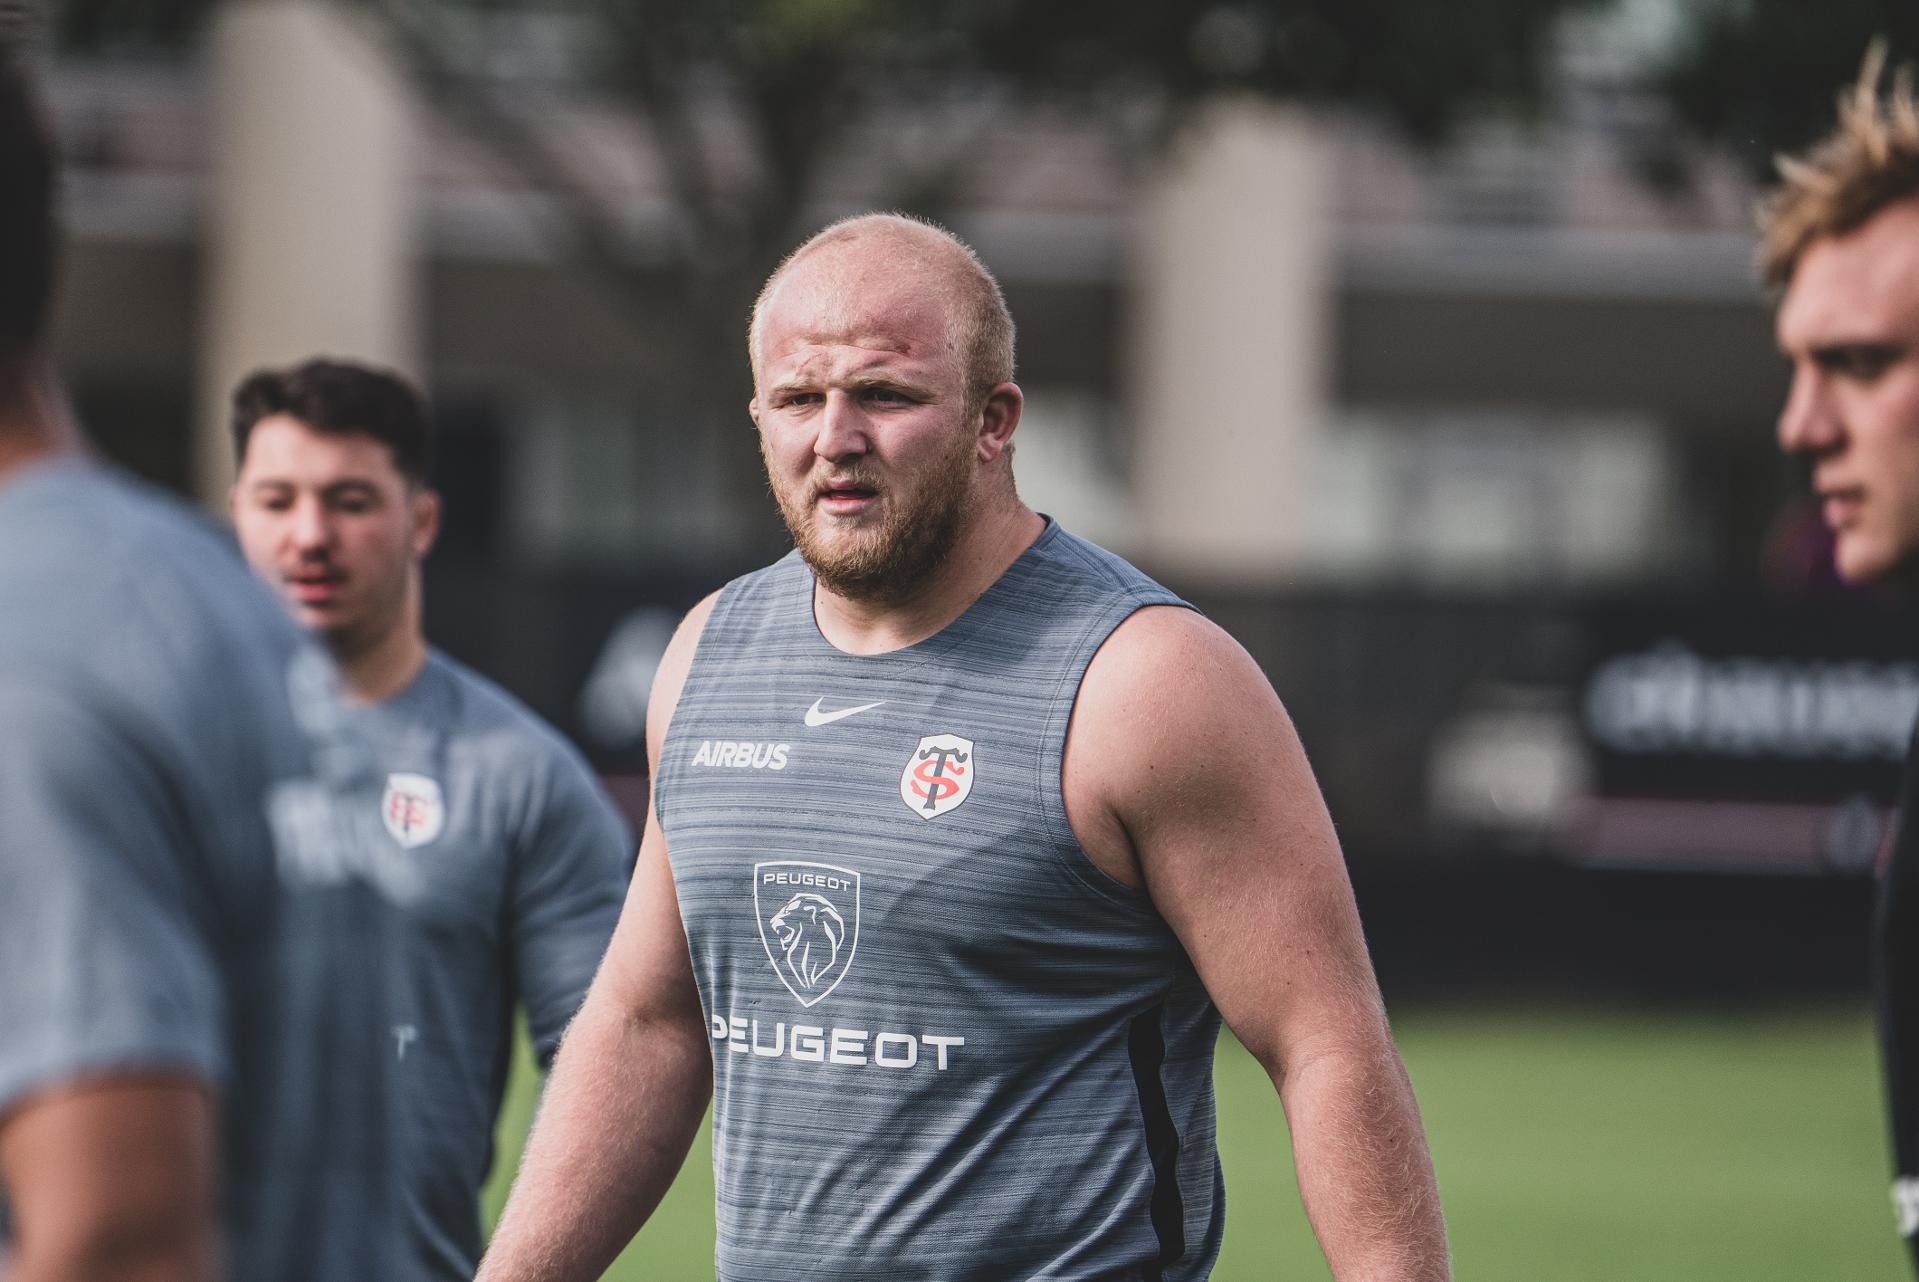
(979, 326)
(1870, 161)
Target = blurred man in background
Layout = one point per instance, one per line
(522, 858)
(191, 984)
(1841, 238)
(974, 833)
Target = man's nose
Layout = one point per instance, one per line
(842, 427)
(1809, 423)
(311, 527)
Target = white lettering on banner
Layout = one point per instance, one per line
(1670, 700)
(843, 1047)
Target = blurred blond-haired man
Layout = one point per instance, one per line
(1840, 237)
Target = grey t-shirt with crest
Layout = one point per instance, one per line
(174, 897)
(517, 865)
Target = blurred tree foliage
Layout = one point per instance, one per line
(756, 111)
(1758, 77)
(759, 117)
(750, 106)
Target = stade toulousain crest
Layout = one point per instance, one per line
(938, 776)
(412, 809)
(809, 919)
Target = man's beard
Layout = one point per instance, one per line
(892, 563)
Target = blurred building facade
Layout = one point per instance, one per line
(1406, 421)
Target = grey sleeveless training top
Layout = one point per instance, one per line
(945, 1045)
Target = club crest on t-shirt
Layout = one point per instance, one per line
(809, 919)
(412, 809)
(938, 776)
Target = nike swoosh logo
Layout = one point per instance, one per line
(815, 717)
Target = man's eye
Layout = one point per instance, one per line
(1863, 364)
(886, 396)
(803, 398)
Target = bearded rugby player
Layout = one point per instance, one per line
(965, 836)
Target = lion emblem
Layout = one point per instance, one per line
(810, 931)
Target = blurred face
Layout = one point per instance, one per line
(331, 524)
(870, 446)
(1849, 324)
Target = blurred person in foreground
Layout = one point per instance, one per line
(191, 979)
(964, 836)
(1840, 237)
(523, 859)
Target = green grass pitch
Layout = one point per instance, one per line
(1571, 1147)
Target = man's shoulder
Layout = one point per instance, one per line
(769, 583)
(485, 712)
(1174, 669)
(1211, 709)
(106, 582)
(740, 614)
(1063, 561)
(140, 658)
(516, 752)
(103, 513)
(1171, 643)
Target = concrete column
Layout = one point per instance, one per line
(310, 229)
(1233, 344)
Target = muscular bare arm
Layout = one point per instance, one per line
(1215, 812)
(632, 1076)
(112, 1180)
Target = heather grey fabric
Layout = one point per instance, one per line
(522, 864)
(171, 896)
(946, 1046)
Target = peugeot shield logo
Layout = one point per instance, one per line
(809, 919)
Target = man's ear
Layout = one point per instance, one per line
(999, 417)
(425, 506)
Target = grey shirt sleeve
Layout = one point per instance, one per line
(571, 865)
(104, 965)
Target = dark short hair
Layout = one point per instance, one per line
(28, 166)
(339, 396)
